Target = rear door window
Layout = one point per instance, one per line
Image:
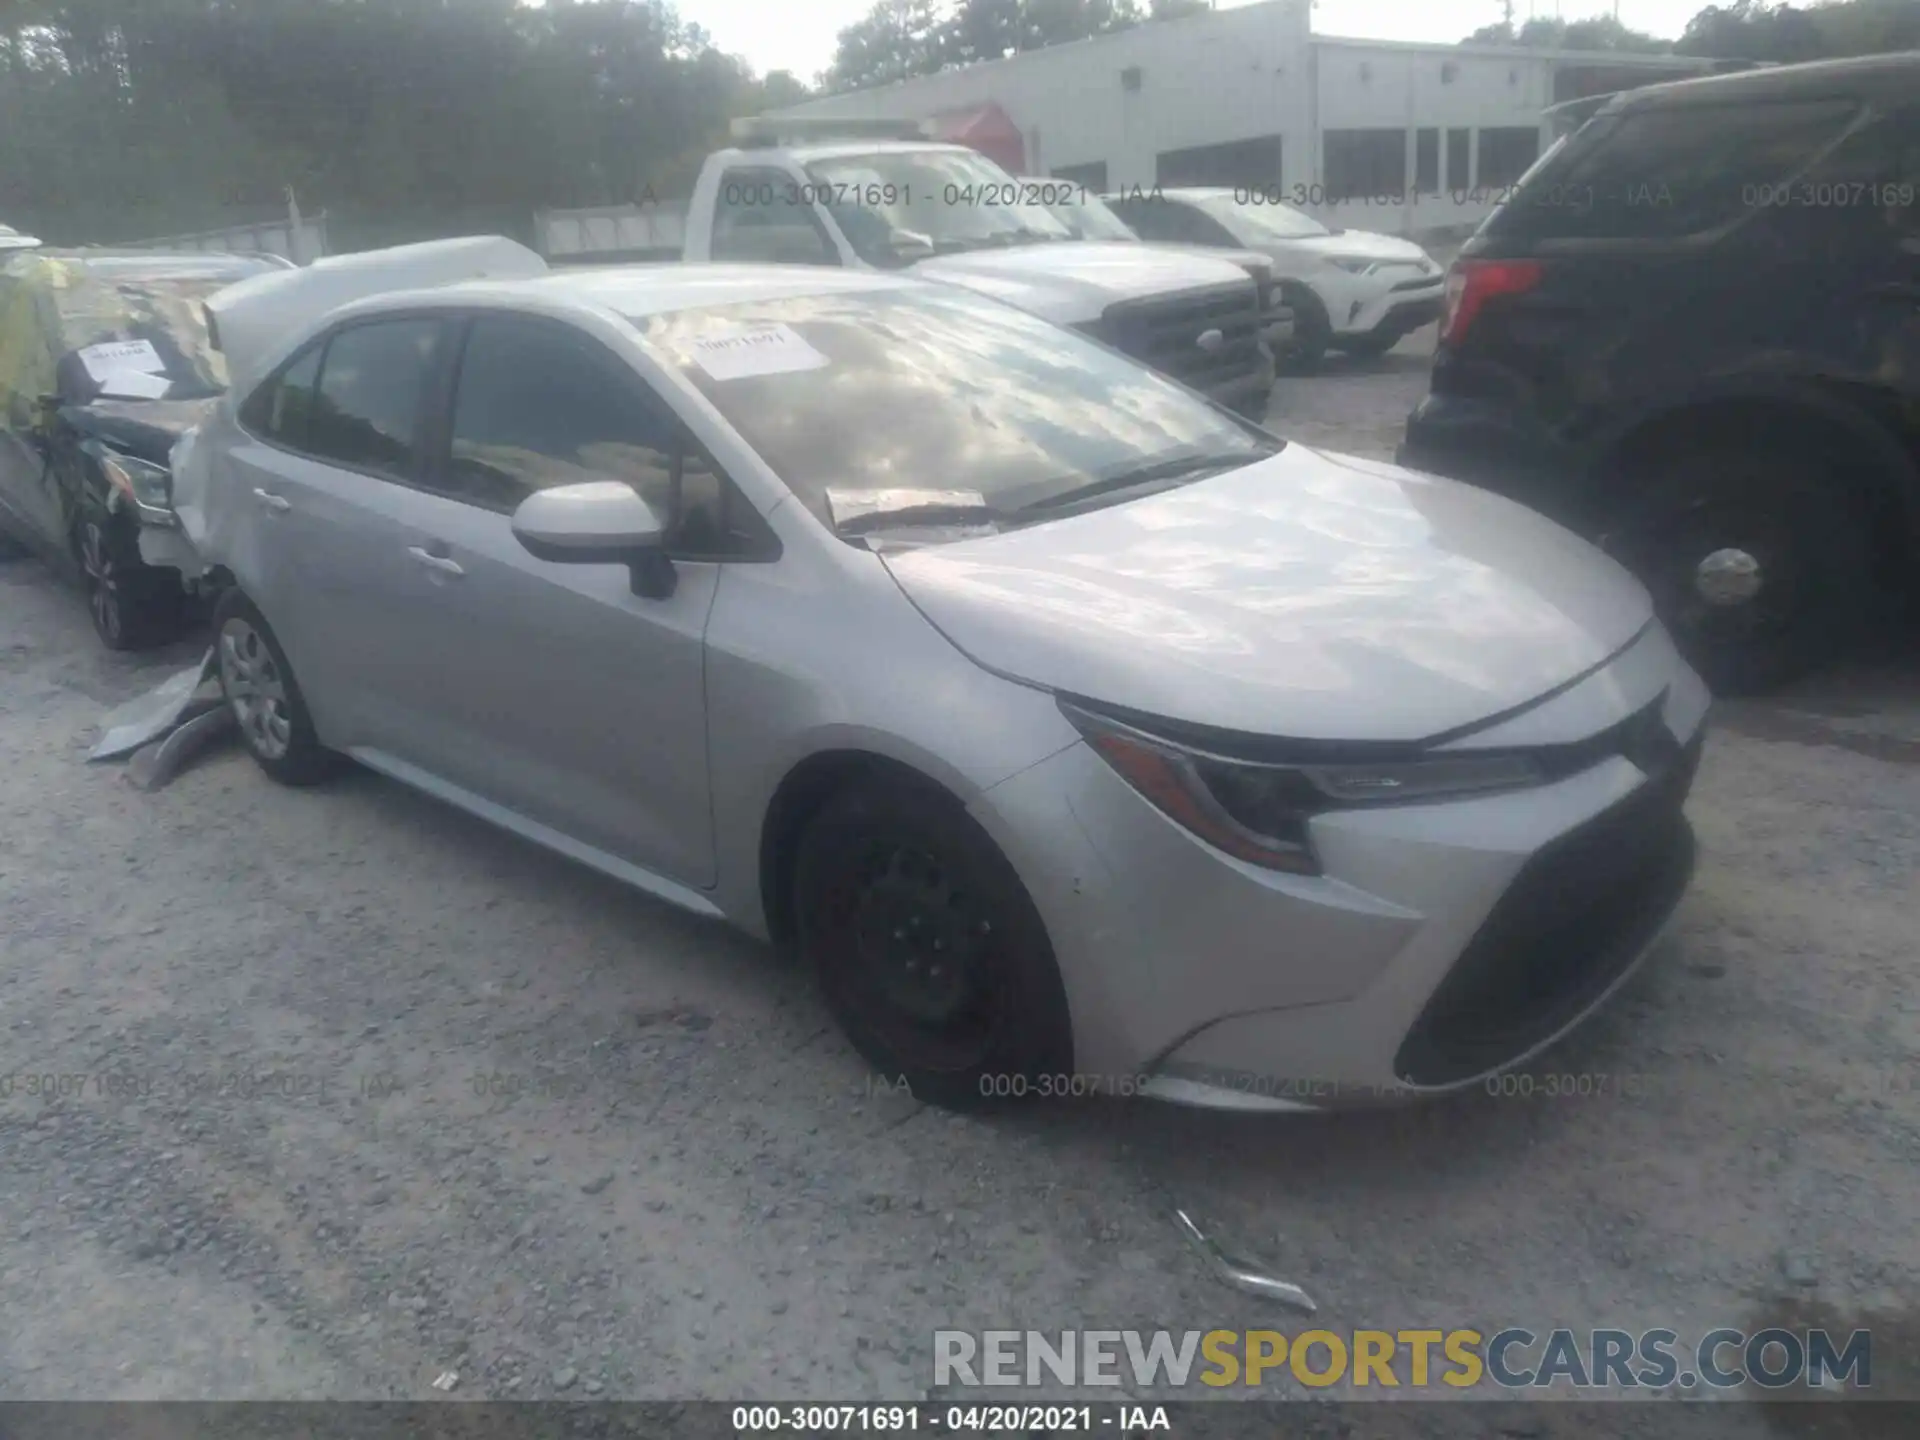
(367, 406)
(1663, 173)
(278, 410)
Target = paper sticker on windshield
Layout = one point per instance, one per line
(117, 357)
(845, 505)
(135, 385)
(766, 350)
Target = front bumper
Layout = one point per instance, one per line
(1278, 331)
(1444, 942)
(164, 544)
(1395, 302)
(1498, 447)
(1247, 394)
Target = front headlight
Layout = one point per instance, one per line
(1352, 264)
(1258, 810)
(139, 480)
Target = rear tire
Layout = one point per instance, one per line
(275, 724)
(1760, 561)
(133, 605)
(929, 950)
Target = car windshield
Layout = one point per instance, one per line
(947, 201)
(886, 398)
(1251, 223)
(1089, 217)
(138, 329)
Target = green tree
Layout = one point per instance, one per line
(1769, 30)
(1546, 32)
(897, 40)
(401, 118)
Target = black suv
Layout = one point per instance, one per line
(1692, 332)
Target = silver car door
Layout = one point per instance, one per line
(332, 450)
(552, 689)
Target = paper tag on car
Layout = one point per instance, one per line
(765, 350)
(116, 357)
(135, 385)
(845, 505)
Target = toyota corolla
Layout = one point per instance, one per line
(1081, 735)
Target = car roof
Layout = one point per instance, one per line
(1891, 77)
(842, 149)
(634, 291)
(1174, 192)
(111, 265)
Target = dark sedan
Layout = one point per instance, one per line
(104, 362)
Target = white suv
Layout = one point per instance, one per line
(1349, 289)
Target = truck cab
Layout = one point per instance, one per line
(887, 198)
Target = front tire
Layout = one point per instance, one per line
(275, 724)
(929, 950)
(1760, 561)
(1370, 347)
(133, 606)
(1312, 329)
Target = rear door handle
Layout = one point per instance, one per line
(270, 500)
(445, 564)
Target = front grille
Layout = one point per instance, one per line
(1576, 916)
(1424, 282)
(1166, 334)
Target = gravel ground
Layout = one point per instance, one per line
(509, 1120)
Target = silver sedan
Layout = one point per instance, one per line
(1083, 737)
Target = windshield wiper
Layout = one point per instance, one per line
(999, 240)
(934, 515)
(1180, 468)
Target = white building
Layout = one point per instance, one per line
(1380, 134)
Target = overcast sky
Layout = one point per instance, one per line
(798, 35)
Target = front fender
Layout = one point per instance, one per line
(1782, 400)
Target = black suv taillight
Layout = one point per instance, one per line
(1471, 283)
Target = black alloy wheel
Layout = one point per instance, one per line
(133, 606)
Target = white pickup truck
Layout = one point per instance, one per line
(885, 198)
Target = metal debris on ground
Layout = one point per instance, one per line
(170, 704)
(446, 1380)
(156, 763)
(1241, 1275)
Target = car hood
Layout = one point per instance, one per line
(1252, 261)
(1073, 282)
(1361, 244)
(1310, 596)
(146, 428)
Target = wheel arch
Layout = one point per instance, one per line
(1845, 422)
(806, 786)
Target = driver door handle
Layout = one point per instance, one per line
(445, 564)
(270, 500)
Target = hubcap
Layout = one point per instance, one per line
(1728, 577)
(917, 950)
(255, 689)
(103, 580)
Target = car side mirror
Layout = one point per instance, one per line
(598, 522)
(909, 244)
